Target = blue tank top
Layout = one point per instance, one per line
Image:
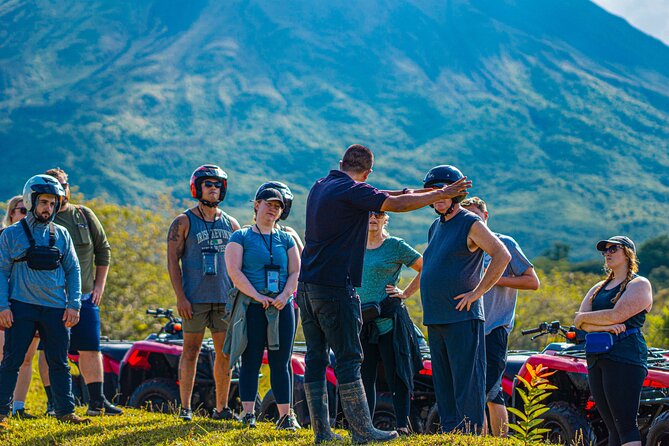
(199, 288)
(629, 350)
(450, 269)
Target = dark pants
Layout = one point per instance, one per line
(331, 319)
(279, 360)
(56, 338)
(616, 389)
(496, 344)
(383, 351)
(458, 372)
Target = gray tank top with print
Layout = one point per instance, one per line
(198, 287)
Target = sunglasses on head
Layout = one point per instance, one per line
(611, 249)
(377, 214)
(216, 184)
(22, 210)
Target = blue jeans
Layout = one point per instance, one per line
(331, 319)
(48, 321)
(459, 374)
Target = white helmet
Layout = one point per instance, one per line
(42, 184)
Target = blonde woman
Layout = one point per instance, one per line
(617, 305)
(16, 211)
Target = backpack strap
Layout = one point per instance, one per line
(85, 216)
(29, 234)
(52, 235)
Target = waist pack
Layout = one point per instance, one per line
(370, 311)
(602, 342)
(41, 258)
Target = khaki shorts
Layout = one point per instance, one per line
(211, 316)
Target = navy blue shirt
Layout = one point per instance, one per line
(450, 269)
(336, 229)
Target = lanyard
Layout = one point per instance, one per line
(208, 229)
(269, 247)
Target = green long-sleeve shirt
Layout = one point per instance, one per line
(90, 241)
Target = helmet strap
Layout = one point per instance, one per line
(442, 217)
(210, 204)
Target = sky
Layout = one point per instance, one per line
(650, 16)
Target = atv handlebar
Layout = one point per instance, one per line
(552, 328)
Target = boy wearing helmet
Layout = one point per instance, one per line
(40, 289)
(452, 283)
(195, 247)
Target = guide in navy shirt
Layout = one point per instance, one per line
(338, 209)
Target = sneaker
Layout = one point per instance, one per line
(249, 420)
(225, 414)
(22, 413)
(403, 431)
(73, 418)
(50, 411)
(287, 422)
(186, 414)
(95, 409)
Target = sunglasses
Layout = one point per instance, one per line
(216, 184)
(377, 214)
(22, 210)
(611, 249)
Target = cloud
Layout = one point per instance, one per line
(650, 16)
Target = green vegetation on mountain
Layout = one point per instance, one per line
(556, 109)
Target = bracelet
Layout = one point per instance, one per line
(406, 190)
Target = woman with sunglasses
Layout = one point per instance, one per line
(16, 211)
(388, 334)
(263, 263)
(617, 363)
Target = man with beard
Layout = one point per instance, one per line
(195, 247)
(94, 253)
(40, 289)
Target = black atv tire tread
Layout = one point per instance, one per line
(568, 416)
(659, 429)
(267, 409)
(164, 387)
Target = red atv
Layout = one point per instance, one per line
(573, 413)
(144, 374)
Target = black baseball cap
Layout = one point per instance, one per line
(617, 240)
(271, 194)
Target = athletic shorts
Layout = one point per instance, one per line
(85, 336)
(496, 344)
(211, 316)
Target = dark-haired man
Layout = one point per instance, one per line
(499, 304)
(40, 290)
(195, 247)
(338, 210)
(94, 254)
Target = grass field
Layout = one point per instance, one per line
(139, 427)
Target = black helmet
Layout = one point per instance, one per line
(440, 176)
(42, 184)
(208, 171)
(285, 192)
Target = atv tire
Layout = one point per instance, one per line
(268, 410)
(567, 426)
(156, 395)
(658, 434)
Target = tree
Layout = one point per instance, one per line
(653, 253)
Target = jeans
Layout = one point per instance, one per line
(331, 319)
(458, 372)
(55, 337)
(383, 351)
(279, 360)
(616, 389)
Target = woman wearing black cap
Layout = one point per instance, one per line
(613, 313)
(263, 263)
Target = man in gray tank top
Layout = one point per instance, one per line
(195, 260)
(452, 283)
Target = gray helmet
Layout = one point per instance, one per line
(39, 185)
(285, 193)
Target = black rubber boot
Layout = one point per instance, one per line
(356, 411)
(317, 401)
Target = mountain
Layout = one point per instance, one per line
(556, 109)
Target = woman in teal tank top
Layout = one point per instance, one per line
(618, 305)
